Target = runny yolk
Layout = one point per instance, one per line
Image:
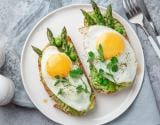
(58, 65)
(112, 44)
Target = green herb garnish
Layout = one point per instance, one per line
(75, 73)
(114, 60)
(60, 80)
(114, 68)
(91, 56)
(81, 89)
(112, 65)
(60, 92)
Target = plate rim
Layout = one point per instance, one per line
(130, 102)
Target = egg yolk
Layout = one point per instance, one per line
(58, 65)
(112, 44)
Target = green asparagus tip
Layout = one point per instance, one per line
(83, 12)
(37, 50)
(64, 30)
(93, 3)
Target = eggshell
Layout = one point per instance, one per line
(6, 90)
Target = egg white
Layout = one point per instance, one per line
(77, 101)
(126, 73)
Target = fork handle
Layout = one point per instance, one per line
(154, 45)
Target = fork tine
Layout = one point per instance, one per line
(136, 6)
(127, 10)
(130, 7)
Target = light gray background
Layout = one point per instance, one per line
(16, 20)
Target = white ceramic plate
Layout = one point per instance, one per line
(108, 107)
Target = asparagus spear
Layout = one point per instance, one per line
(119, 27)
(64, 38)
(108, 13)
(37, 50)
(64, 34)
(50, 37)
(98, 16)
(109, 18)
(68, 48)
(89, 20)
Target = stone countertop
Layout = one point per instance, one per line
(142, 111)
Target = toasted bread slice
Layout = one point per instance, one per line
(95, 17)
(60, 104)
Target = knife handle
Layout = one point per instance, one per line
(155, 45)
(158, 39)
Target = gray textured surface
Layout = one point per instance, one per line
(16, 20)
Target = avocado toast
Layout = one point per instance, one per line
(70, 90)
(94, 21)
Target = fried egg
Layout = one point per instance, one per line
(55, 63)
(113, 45)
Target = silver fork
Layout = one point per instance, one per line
(135, 16)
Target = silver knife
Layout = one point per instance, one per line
(149, 19)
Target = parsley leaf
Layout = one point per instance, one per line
(100, 51)
(75, 73)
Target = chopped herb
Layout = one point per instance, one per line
(56, 83)
(75, 73)
(60, 80)
(60, 92)
(57, 77)
(114, 68)
(114, 60)
(109, 65)
(79, 89)
(101, 71)
(101, 78)
(91, 56)
(100, 51)
(85, 89)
